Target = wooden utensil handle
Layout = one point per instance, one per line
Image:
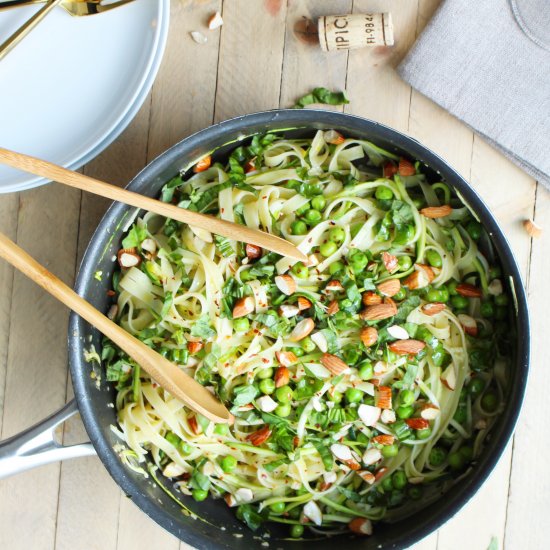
(164, 372)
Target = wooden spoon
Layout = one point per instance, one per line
(233, 231)
(171, 378)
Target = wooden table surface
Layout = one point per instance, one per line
(255, 62)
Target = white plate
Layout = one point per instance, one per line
(73, 85)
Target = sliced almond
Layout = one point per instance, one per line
(266, 403)
(360, 526)
(334, 364)
(495, 287)
(334, 286)
(383, 399)
(395, 331)
(250, 165)
(149, 245)
(407, 347)
(243, 306)
(199, 38)
(230, 500)
(301, 330)
(406, 168)
(333, 137)
(193, 425)
(379, 312)
(433, 308)
(341, 452)
(390, 262)
(282, 377)
(288, 310)
(286, 358)
(370, 298)
(313, 512)
(371, 456)
(128, 257)
(388, 416)
(380, 473)
(389, 169)
(366, 476)
(244, 495)
(434, 212)
(215, 21)
(380, 368)
(286, 284)
(253, 252)
(260, 436)
(448, 377)
(429, 411)
(330, 477)
(533, 230)
(303, 303)
(417, 423)
(469, 291)
(369, 414)
(390, 287)
(194, 347)
(320, 341)
(383, 439)
(205, 162)
(421, 277)
(469, 324)
(369, 336)
(173, 470)
(333, 308)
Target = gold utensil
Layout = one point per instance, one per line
(74, 7)
(169, 376)
(233, 231)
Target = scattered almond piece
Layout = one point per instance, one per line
(469, 291)
(203, 164)
(397, 332)
(407, 347)
(406, 168)
(370, 298)
(282, 377)
(369, 336)
(286, 358)
(448, 377)
(380, 311)
(333, 137)
(288, 310)
(260, 436)
(366, 476)
(303, 303)
(417, 423)
(215, 21)
(429, 411)
(383, 439)
(194, 347)
(301, 330)
(384, 397)
(533, 230)
(390, 262)
(369, 414)
(128, 257)
(198, 37)
(243, 306)
(434, 212)
(333, 308)
(469, 324)
(286, 284)
(360, 526)
(334, 364)
(433, 308)
(253, 252)
(390, 287)
(371, 456)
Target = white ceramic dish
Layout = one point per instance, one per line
(74, 84)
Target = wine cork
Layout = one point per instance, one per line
(349, 32)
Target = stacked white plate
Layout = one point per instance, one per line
(73, 84)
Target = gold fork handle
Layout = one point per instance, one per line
(19, 34)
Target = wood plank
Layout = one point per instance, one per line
(305, 65)
(37, 361)
(9, 205)
(375, 89)
(529, 498)
(251, 56)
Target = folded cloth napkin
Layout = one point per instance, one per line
(488, 64)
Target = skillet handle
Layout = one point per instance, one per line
(37, 445)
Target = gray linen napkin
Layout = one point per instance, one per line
(488, 63)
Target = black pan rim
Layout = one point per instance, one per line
(303, 119)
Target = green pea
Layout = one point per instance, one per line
(403, 234)
(172, 438)
(353, 395)
(474, 229)
(495, 272)
(443, 294)
(242, 324)
(304, 208)
(476, 386)
(399, 480)
(501, 300)
(406, 397)
(199, 495)
(383, 193)
(221, 429)
(267, 387)
(308, 345)
(486, 309)
(318, 203)
(401, 294)
(265, 373)
(229, 463)
(459, 302)
(335, 267)
(312, 189)
(358, 259)
(298, 227)
(460, 415)
(489, 402)
(433, 257)
(293, 184)
(423, 434)
(415, 492)
(404, 263)
(298, 352)
(328, 249)
(437, 456)
(366, 370)
(296, 531)
(300, 270)
(451, 285)
(294, 513)
(387, 484)
(433, 295)
(313, 216)
(418, 202)
(404, 412)
(284, 394)
(351, 354)
(283, 410)
(456, 461)
(186, 448)
(337, 234)
(335, 397)
(246, 275)
(467, 453)
(277, 507)
(388, 451)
